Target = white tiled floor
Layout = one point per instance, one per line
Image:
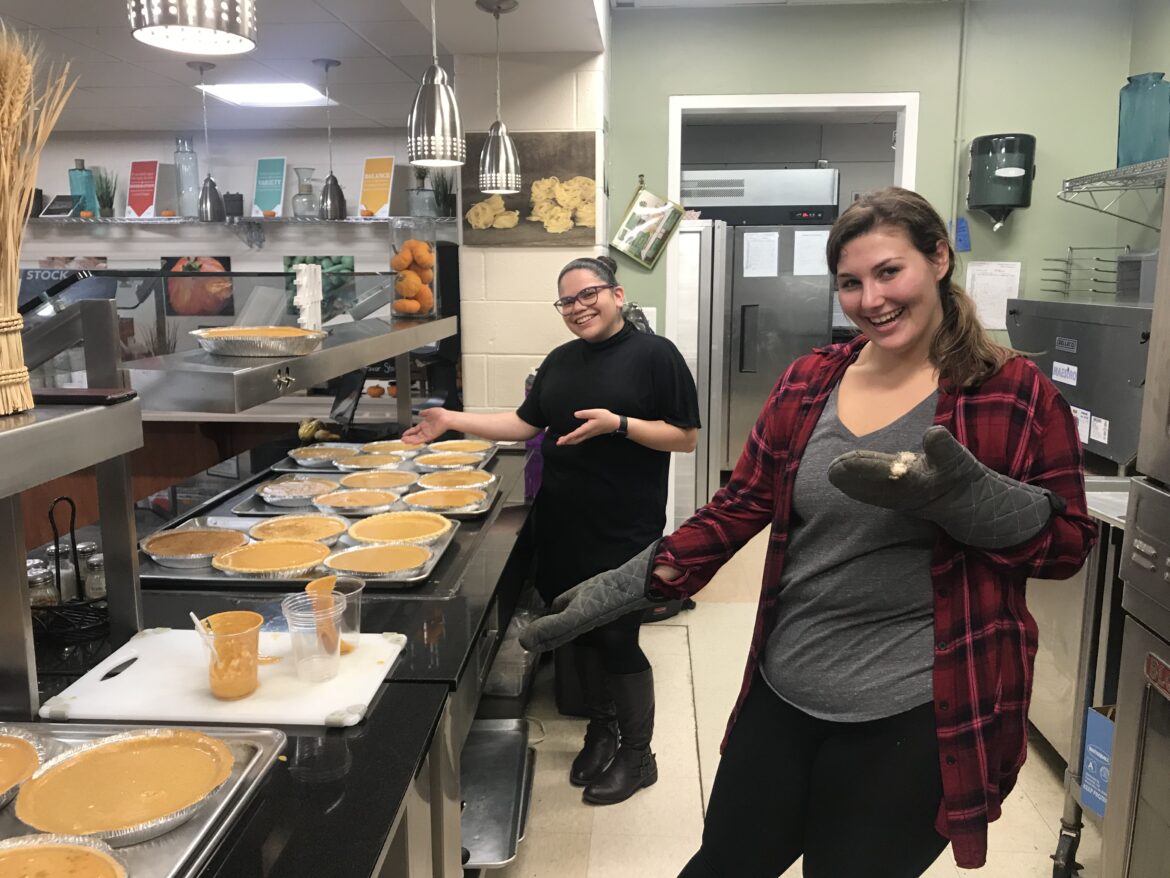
(698, 661)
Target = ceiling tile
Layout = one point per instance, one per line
(117, 40)
(54, 13)
(397, 37)
(58, 47)
(391, 115)
(323, 40)
(415, 66)
(352, 70)
(370, 93)
(291, 12)
(226, 70)
(141, 96)
(367, 10)
(109, 74)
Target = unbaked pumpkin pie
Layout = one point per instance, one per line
(321, 453)
(381, 560)
(368, 461)
(272, 558)
(299, 527)
(389, 446)
(18, 760)
(449, 498)
(400, 527)
(258, 332)
(286, 491)
(446, 459)
(124, 782)
(33, 855)
(458, 478)
(192, 542)
(466, 446)
(390, 480)
(350, 500)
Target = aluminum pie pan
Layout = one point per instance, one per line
(258, 345)
(317, 464)
(290, 572)
(200, 559)
(429, 540)
(446, 467)
(336, 558)
(325, 541)
(358, 511)
(52, 839)
(288, 502)
(143, 831)
(405, 453)
(437, 447)
(362, 468)
(477, 506)
(393, 489)
(478, 486)
(37, 744)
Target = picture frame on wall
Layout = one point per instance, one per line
(646, 228)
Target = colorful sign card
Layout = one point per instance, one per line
(141, 193)
(268, 199)
(376, 178)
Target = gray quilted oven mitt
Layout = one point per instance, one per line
(597, 600)
(947, 485)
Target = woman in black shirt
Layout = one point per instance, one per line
(614, 403)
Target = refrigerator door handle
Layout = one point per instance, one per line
(749, 323)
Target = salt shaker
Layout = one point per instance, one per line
(68, 585)
(41, 590)
(95, 577)
(84, 551)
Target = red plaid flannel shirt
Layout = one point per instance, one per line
(1016, 423)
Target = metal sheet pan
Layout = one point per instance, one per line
(202, 577)
(184, 850)
(495, 778)
(466, 513)
(287, 465)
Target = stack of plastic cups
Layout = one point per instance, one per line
(314, 626)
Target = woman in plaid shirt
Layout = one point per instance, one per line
(913, 479)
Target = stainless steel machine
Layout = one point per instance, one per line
(1096, 355)
(1137, 818)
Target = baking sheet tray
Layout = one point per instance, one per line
(201, 577)
(465, 514)
(184, 850)
(288, 465)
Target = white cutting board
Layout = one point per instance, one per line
(168, 683)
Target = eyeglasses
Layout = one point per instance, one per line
(587, 296)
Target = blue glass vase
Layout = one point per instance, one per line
(1143, 128)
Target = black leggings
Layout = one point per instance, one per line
(617, 643)
(856, 799)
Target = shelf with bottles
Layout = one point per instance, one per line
(250, 229)
(1107, 191)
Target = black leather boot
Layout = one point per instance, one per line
(601, 735)
(634, 765)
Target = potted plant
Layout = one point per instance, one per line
(105, 185)
(443, 185)
(421, 198)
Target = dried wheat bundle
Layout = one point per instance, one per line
(32, 96)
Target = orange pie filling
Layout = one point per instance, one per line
(378, 480)
(455, 479)
(473, 446)
(383, 559)
(125, 783)
(271, 556)
(176, 543)
(392, 527)
(257, 332)
(449, 499)
(298, 527)
(355, 499)
(18, 761)
(447, 459)
(57, 860)
(389, 445)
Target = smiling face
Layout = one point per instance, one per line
(890, 290)
(597, 321)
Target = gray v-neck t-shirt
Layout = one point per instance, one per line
(854, 637)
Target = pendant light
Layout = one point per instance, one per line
(332, 198)
(195, 27)
(435, 131)
(210, 201)
(499, 165)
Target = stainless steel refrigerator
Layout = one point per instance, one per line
(749, 300)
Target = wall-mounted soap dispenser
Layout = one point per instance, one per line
(1003, 167)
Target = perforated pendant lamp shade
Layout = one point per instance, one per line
(434, 130)
(195, 27)
(499, 164)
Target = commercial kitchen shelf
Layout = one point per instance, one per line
(53, 441)
(198, 381)
(1105, 191)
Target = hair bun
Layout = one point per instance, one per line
(608, 262)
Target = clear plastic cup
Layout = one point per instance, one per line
(234, 647)
(314, 626)
(351, 619)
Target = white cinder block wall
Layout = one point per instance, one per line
(509, 324)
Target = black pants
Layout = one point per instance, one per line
(617, 643)
(856, 799)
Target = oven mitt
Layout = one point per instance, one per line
(947, 485)
(596, 601)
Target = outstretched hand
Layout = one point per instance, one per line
(431, 427)
(598, 422)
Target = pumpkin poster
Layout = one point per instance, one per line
(198, 293)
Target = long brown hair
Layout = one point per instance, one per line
(961, 349)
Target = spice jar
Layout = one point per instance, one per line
(41, 590)
(85, 551)
(95, 577)
(67, 587)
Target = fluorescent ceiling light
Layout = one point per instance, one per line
(267, 94)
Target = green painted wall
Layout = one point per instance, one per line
(1047, 67)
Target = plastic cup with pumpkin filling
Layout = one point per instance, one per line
(351, 620)
(315, 632)
(234, 644)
